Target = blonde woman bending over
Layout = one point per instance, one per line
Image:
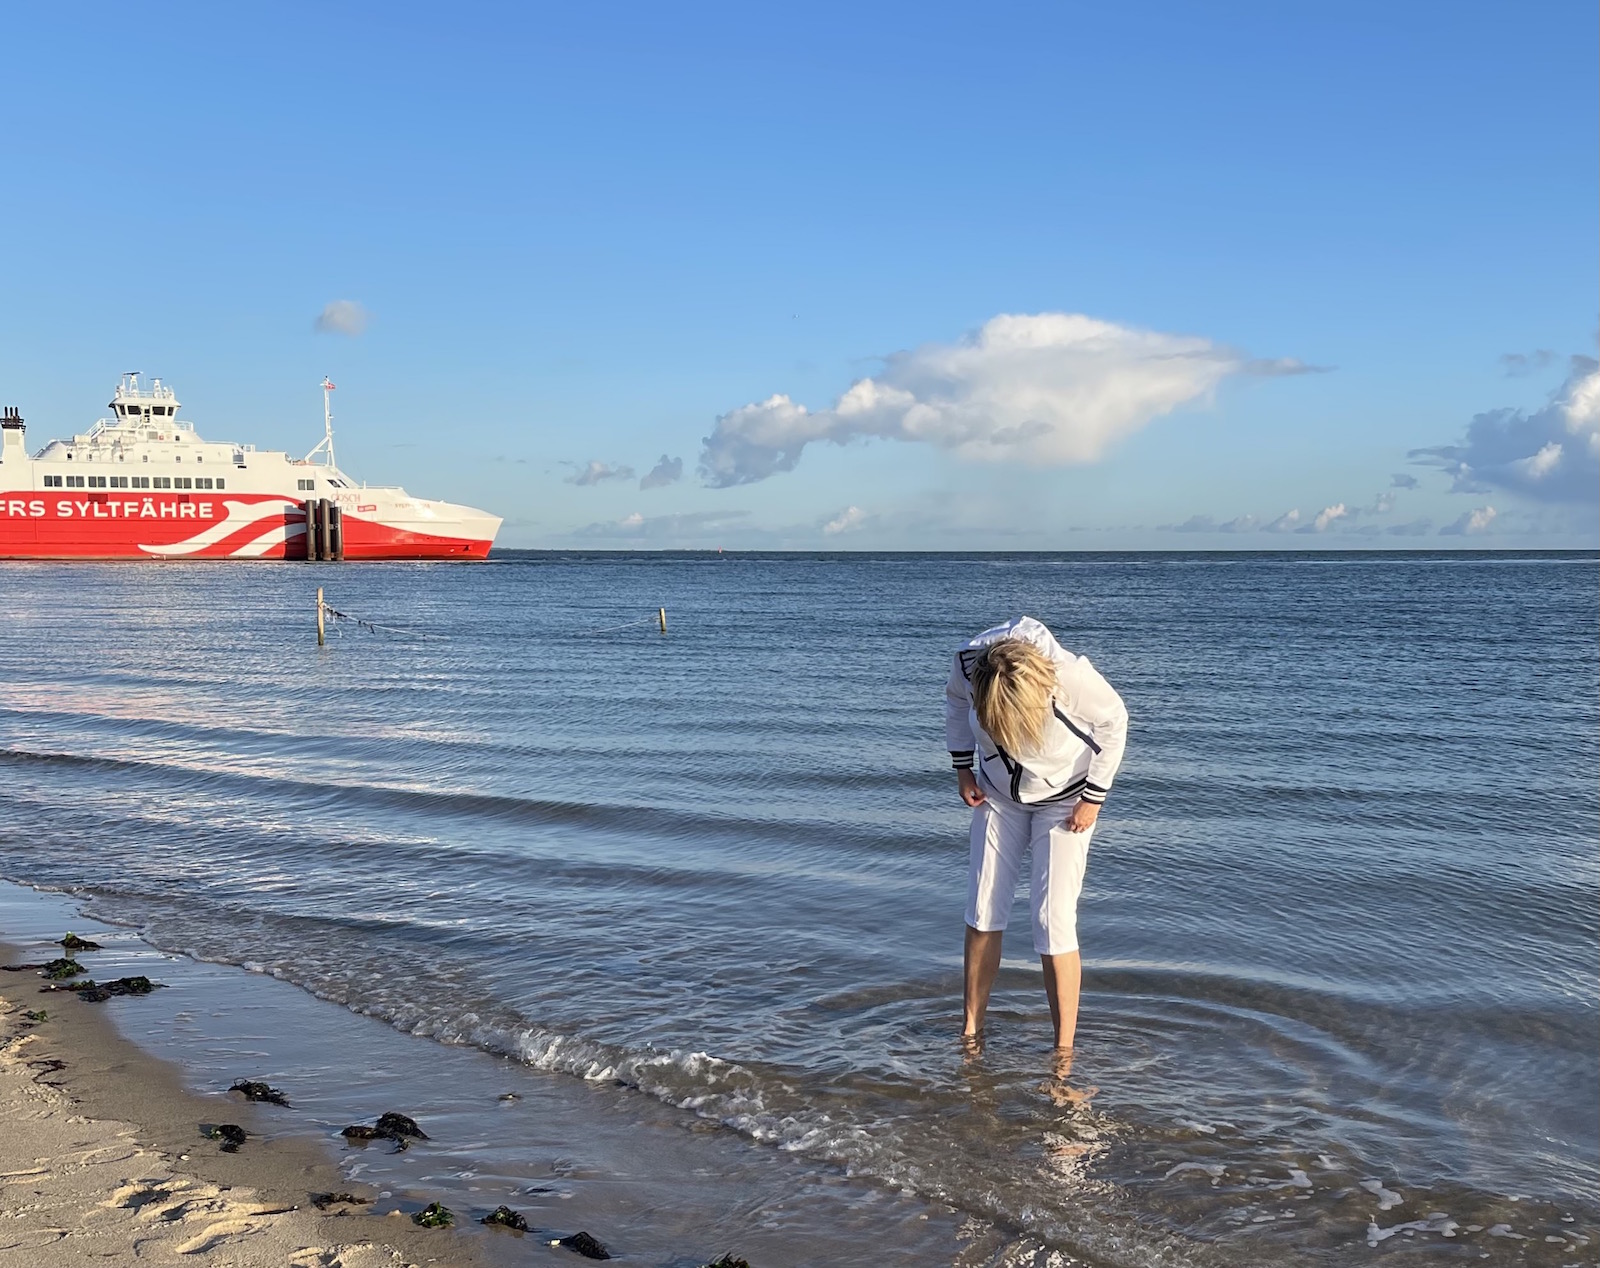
(1035, 735)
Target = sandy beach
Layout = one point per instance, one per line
(104, 1159)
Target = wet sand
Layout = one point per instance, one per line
(103, 1158)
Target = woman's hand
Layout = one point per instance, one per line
(1083, 816)
(970, 792)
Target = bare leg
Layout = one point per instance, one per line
(982, 966)
(1062, 976)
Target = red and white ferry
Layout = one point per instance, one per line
(142, 484)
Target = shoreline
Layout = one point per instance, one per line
(571, 1156)
(103, 1157)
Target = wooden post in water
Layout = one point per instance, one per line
(661, 614)
(322, 637)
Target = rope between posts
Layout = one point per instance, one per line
(626, 625)
(365, 624)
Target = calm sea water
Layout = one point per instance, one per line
(1341, 928)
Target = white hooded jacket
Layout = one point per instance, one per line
(1083, 739)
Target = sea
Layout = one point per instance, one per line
(699, 892)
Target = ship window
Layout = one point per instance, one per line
(219, 483)
(305, 486)
(119, 482)
(158, 409)
(163, 482)
(181, 482)
(74, 482)
(52, 482)
(141, 482)
(202, 484)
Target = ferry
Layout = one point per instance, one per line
(142, 484)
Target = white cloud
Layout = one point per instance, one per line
(1324, 518)
(1285, 523)
(342, 317)
(597, 472)
(666, 471)
(1382, 504)
(1477, 521)
(845, 520)
(1552, 455)
(1043, 388)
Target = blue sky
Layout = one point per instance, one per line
(1137, 276)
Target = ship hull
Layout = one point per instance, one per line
(178, 526)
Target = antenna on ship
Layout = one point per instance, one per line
(327, 424)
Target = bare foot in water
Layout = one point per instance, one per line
(1056, 1086)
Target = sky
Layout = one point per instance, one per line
(830, 276)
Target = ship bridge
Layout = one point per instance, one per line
(151, 413)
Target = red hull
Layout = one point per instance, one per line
(119, 525)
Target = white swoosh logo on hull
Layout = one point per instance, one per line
(240, 514)
(276, 535)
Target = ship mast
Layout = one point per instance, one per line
(326, 443)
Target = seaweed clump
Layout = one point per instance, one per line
(322, 1201)
(434, 1215)
(390, 1126)
(588, 1246)
(730, 1260)
(254, 1091)
(505, 1217)
(230, 1134)
(60, 969)
(400, 1125)
(72, 942)
(93, 993)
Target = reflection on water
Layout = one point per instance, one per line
(725, 867)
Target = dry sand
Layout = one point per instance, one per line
(103, 1161)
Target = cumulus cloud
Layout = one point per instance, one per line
(1477, 521)
(1551, 455)
(666, 471)
(1324, 518)
(1045, 388)
(342, 317)
(1403, 482)
(597, 472)
(1382, 503)
(1285, 523)
(847, 519)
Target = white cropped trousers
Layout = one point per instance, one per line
(1002, 830)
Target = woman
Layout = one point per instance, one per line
(1035, 735)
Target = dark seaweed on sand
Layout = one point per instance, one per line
(65, 967)
(254, 1091)
(72, 942)
(93, 993)
(322, 1201)
(586, 1245)
(231, 1135)
(505, 1217)
(434, 1215)
(729, 1260)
